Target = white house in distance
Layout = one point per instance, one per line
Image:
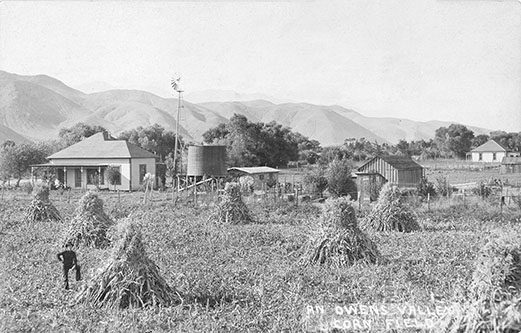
(83, 165)
(490, 151)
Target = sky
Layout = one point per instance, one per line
(452, 60)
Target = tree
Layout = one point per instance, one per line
(316, 180)
(152, 138)
(78, 132)
(113, 175)
(16, 160)
(251, 144)
(455, 140)
(339, 181)
(479, 140)
(460, 139)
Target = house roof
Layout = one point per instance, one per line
(101, 145)
(489, 146)
(254, 170)
(396, 161)
(511, 160)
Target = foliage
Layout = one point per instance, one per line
(113, 175)
(252, 144)
(483, 190)
(153, 138)
(339, 181)
(315, 180)
(78, 132)
(16, 160)
(426, 187)
(511, 141)
(455, 140)
(442, 186)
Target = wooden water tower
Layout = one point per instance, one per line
(209, 161)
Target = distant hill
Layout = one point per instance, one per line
(36, 107)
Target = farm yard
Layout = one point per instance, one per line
(238, 277)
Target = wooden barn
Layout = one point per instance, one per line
(399, 170)
(510, 165)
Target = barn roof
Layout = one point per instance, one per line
(511, 160)
(489, 146)
(102, 145)
(254, 170)
(396, 161)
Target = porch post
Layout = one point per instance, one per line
(64, 176)
(83, 183)
(32, 175)
(99, 176)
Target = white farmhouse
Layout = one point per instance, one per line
(491, 151)
(83, 165)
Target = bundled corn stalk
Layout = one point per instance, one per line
(41, 207)
(130, 278)
(495, 289)
(339, 242)
(390, 213)
(231, 208)
(90, 224)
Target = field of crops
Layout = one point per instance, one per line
(235, 278)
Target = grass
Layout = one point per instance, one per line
(235, 278)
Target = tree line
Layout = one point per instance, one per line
(253, 144)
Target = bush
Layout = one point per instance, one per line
(425, 187)
(339, 181)
(315, 180)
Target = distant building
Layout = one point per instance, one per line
(490, 151)
(83, 165)
(399, 170)
(510, 165)
(259, 176)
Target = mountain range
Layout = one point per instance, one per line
(36, 107)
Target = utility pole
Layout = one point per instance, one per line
(176, 85)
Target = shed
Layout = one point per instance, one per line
(399, 170)
(510, 165)
(83, 165)
(260, 176)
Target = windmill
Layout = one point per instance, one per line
(176, 85)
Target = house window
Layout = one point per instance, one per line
(95, 177)
(261, 177)
(480, 156)
(142, 172)
(493, 156)
(77, 178)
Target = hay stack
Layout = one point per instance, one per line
(390, 212)
(90, 224)
(130, 278)
(41, 207)
(231, 208)
(339, 242)
(495, 289)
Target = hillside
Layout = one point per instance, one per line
(36, 107)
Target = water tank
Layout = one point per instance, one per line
(206, 160)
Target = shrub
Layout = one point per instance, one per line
(315, 180)
(425, 188)
(339, 181)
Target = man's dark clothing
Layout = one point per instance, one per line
(69, 260)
